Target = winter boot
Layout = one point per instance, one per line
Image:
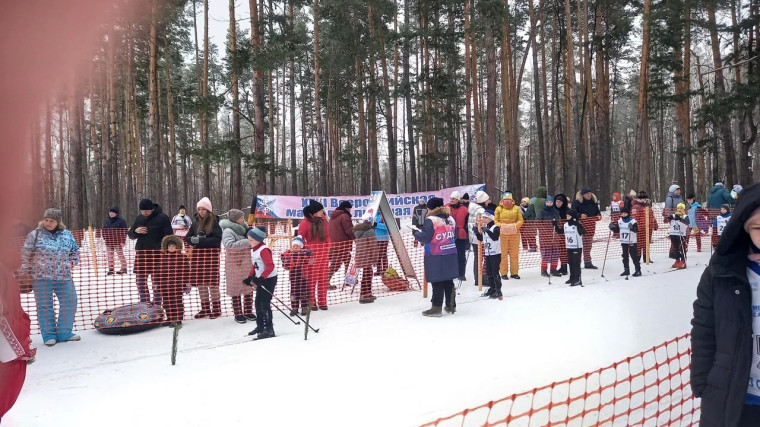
(237, 309)
(626, 272)
(433, 312)
(497, 294)
(515, 276)
(489, 292)
(681, 265)
(637, 273)
(450, 309)
(675, 264)
(563, 270)
(556, 273)
(591, 266)
(216, 310)
(568, 281)
(122, 271)
(205, 311)
(110, 272)
(248, 307)
(577, 283)
(544, 273)
(504, 277)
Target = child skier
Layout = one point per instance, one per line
(264, 275)
(547, 238)
(295, 261)
(615, 206)
(627, 228)
(720, 222)
(573, 231)
(698, 221)
(172, 278)
(488, 233)
(679, 225)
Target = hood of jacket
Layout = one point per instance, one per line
(338, 212)
(171, 239)
(363, 226)
(443, 212)
(541, 192)
(581, 200)
(717, 189)
(237, 228)
(730, 256)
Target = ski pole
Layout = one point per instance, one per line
(283, 313)
(551, 254)
(467, 259)
(609, 236)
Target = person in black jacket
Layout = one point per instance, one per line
(488, 233)
(587, 206)
(726, 323)
(626, 228)
(115, 236)
(418, 217)
(573, 231)
(205, 236)
(149, 229)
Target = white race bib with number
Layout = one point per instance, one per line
(677, 228)
(490, 247)
(626, 236)
(572, 238)
(722, 223)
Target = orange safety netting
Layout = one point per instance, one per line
(650, 388)
(219, 272)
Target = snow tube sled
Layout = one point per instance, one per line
(130, 318)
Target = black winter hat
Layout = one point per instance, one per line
(466, 197)
(114, 209)
(585, 190)
(434, 203)
(345, 205)
(181, 207)
(573, 213)
(643, 194)
(314, 207)
(147, 205)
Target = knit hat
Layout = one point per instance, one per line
(434, 203)
(235, 214)
(680, 207)
(345, 205)
(114, 209)
(53, 213)
(147, 205)
(257, 233)
(616, 196)
(673, 188)
(481, 197)
(550, 199)
(507, 196)
(726, 206)
(488, 214)
(297, 241)
(643, 194)
(626, 208)
(455, 195)
(465, 196)
(573, 213)
(737, 188)
(181, 207)
(313, 207)
(632, 194)
(206, 204)
(719, 183)
(525, 199)
(585, 190)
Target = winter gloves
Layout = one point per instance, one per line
(252, 280)
(196, 240)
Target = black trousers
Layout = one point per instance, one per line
(462, 245)
(630, 251)
(750, 416)
(442, 290)
(492, 270)
(475, 262)
(299, 290)
(677, 248)
(263, 304)
(574, 260)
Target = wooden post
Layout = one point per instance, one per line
(646, 220)
(424, 281)
(92, 250)
(479, 259)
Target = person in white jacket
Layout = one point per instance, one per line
(477, 207)
(181, 222)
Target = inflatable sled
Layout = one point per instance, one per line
(130, 318)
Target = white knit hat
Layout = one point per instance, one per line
(456, 195)
(481, 197)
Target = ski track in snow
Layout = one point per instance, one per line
(380, 364)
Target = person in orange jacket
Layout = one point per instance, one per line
(508, 217)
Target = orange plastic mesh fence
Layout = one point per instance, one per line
(220, 271)
(650, 388)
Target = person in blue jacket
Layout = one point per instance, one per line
(382, 236)
(438, 234)
(719, 195)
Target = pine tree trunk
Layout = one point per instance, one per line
(171, 166)
(293, 165)
(76, 188)
(390, 124)
(48, 164)
(364, 171)
(537, 97)
(258, 101)
(95, 147)
(491, 125)
(569, 88)
(317, 104)
(408, 100)
(153, 163)
(372, 110)
(643, 168)
(236, 180)
(204, 116)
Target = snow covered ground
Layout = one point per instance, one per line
(380, 364)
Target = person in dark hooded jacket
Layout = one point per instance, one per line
(149, 230)
(115, 236)
(205, 236)
(562, 206)
(341, 232)
(547, 238)
(587, 206)
(726, 324)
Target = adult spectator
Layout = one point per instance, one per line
(383, 237)
(181, 222)
(481, 203)
(509, 218)
(465, 200)
(718, 196)
(639, 207)
(441, 268)
(366, 255)
(736, 190)
(539, 202)
(562, 204)
(115, 236)
(460, 213)
(418, 217)
(528, 232)
(672, 199)
(149, 229)
(237, 264)
(205, 236)
(341, 231)
(725, 361)
(49, 254)
(587, 206)
(314, 231)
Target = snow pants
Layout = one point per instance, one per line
(67, 302)
(318, 279)
(510, 254)
(442, 290)
(630, 251)
(574, 259)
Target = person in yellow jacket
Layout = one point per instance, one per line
(508, 217)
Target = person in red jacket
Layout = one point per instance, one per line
(313, 229)
(342, 234)
(460, 213)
